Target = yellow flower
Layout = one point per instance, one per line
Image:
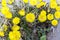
(10, 1)
(42, 18)
(40, 0)
(53, 4)
(43, 12)
(38, 5)
(16, 20)
(22, 12)
(4, 9)
(33, 2)
(25, 1)
(52, 0)
(1, 33)
(54, 22)
(15, 27)
(5, 27)
(8, 15)
(3, 3)
(30, 17)
(50, 16)
(58, 8)
(41, 4)
(57, 14)
(14, 35)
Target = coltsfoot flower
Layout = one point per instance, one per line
(4, 9)
(14, 35)
(5, 27)
(41, 4)
(25, 1)
(30, 17)
(16, 20)
(3, 3)
(33, 2)
(22, 12)
(54, 22)
(58, 8)
(43, 12)
(53, 4)
(50, 16)
(1, 33)
(57, 14)
(8, 15)
(42, 18)
(15, 27)
(40, 0)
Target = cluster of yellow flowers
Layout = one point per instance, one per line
(15, 34)
(7, 14)
(2, 31)
(43, 17)
(36, 3)
(5, 10)
(30, 17)
(54, 5)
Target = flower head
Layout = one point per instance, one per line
(8, 15)
(1, 33)
(22, 12)
(58, 8)
(42, 18)
(33, 2)
(43, 12)
(25, 1)
(50, 16)
(4, 3)
(16, 20)
(40, 0)
(54, 22)
(4, 9)
(15, 27)
(5, 27)
(30, 17)
(14, 35)
(53, 4)
(57, 14)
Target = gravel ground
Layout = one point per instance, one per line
(55, 35)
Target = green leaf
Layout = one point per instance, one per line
(43, 37)
(7, 38)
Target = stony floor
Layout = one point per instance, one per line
(55, 35)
